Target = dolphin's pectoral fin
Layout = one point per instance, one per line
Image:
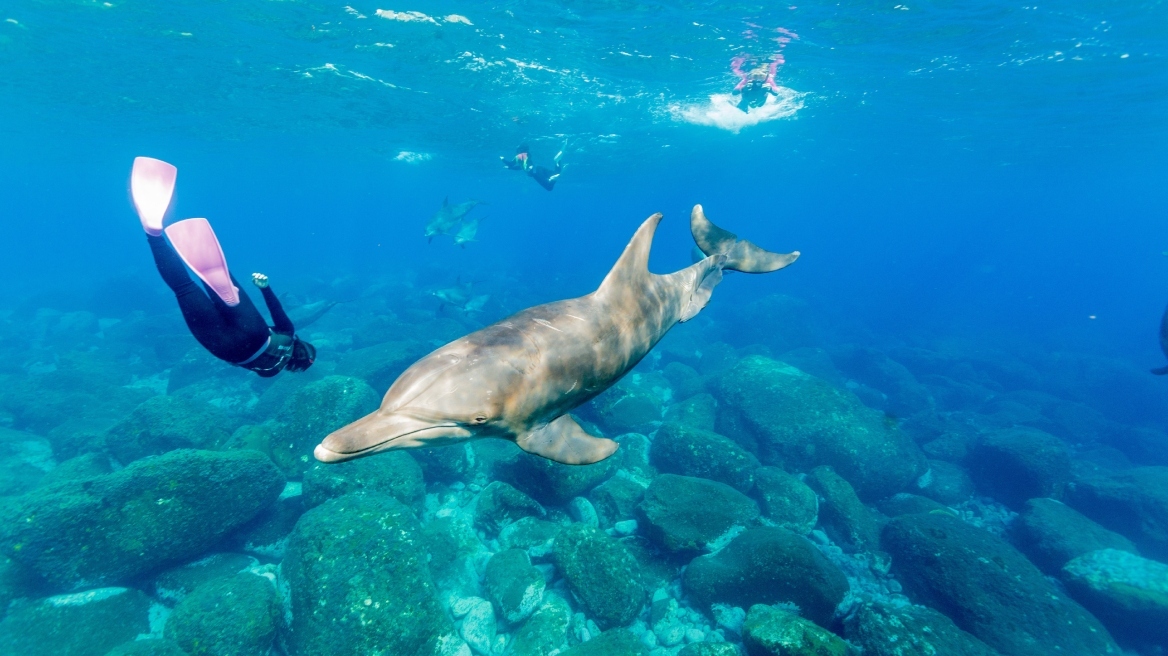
(1161, 371)
(741, 255)
(562, 440)
(700, 296)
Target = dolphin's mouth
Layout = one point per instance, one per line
(333, 448)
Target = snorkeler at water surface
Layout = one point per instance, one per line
(544, 176)
(757, 85)
(221, 318)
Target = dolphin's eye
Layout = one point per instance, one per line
(480, 419)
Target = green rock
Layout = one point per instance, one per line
(393, 473)
(148, 647)
(601, 573)
(234, 616)
(1127, 592)
(985, 585)
(616, 499)
(80, 467)
(157, 511)
(1051, 533)
(801, 422)
(690, 451)
(633, 405)
(698, 411)
(689, 515)
(617, 642)
(550, 482)
(1133, 503)
(173, 585)
(1017, 464)
(266, 534)
(946, 483)
(500, 504)
(847, 521)
(786, 500)
(546, 631)
(903, 503)
(447, 464)
(683, 379)
(768, 565)
(358, 582)
(314, 411)
(632, 456)
(455, 554)
(772, 631)
(535, 536)
(166, 423)
(884, 630)
(26, 460)
(711, 649)
(86, 623)
(513, 585)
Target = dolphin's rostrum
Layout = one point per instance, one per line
(518, 379)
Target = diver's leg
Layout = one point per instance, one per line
(170, 265)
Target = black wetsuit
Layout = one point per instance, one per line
(235, 334)
(753, 95)
(540, 174)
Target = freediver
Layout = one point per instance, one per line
(221, 318)
(544, 176)
(757, 85)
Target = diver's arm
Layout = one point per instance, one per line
(280, 321)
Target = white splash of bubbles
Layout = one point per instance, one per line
(410, 157)
(722, 110)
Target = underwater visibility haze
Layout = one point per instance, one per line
(230, 228)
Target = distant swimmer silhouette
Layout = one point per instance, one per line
(1163, 342)
(756, 86)
(544, 176)
(221, 318)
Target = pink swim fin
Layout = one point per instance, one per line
(197, 245)
(152, 185)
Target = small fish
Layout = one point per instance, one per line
(447, 217)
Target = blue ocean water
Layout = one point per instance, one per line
(980, 182)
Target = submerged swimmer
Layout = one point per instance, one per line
(221, 318)
(544, 176)
(757, 85)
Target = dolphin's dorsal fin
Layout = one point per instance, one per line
(564, 441)
(632, 269)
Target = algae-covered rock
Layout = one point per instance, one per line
(768, 565)
(985, 585)
(478, 627)
(455, 555)
(698, 411)
(157, 511)
(166, 423)
(393, 473)
(801, 422)
(148, 647)
(616, 499)
(634, 405)
(86, 623)
(773, 631)
(887, 630)
(689, 451)
(1127, 592)
(314, 411)
(535, 536)
(601, 573)
(358, 582)
(903, 503)
(1133, 503)
(500, 504)
(786, 500)
(234, 616)
(685, 514)
(1051, 533)
(173, 585)
(551, 482)
(845, 518)
(266, 534)
(1017, 464)
(447, 464)
(945, 483)
(514, 585)
(546, 631)
(617, 642)
(711, 649)
(76, 468)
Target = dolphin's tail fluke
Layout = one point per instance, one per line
(741, 255)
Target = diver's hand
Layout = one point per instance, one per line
(260, 280)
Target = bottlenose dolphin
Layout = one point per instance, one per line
(447, 217)
(309, 313)
(518, 378)
(466, 232)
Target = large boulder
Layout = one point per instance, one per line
(903, 394)
(635, 404)
(688, 515)
(698, 411)
(500, 504)
(616, 499)
(617, 642)
(985, 586)
(147, 647)
(546, 631)
(551, 482)
(845, 518)
(801, 422)
(1051, 533)
(157, 511)
(601, 573)
(945, 482)
(173, 585)
(234, 616)
(893, 630)
(1128, 593)
(689, 451)
(166, 423)
(773, 631)
(311, 413)
(358, 583)
(768, 565)
(1133, 503)
(86, 623)
(786, 500)
(394, 473)
(514, 585)
(1017, 464)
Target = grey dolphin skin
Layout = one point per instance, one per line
(447, 217)
(518, 379)
(1163, 342)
